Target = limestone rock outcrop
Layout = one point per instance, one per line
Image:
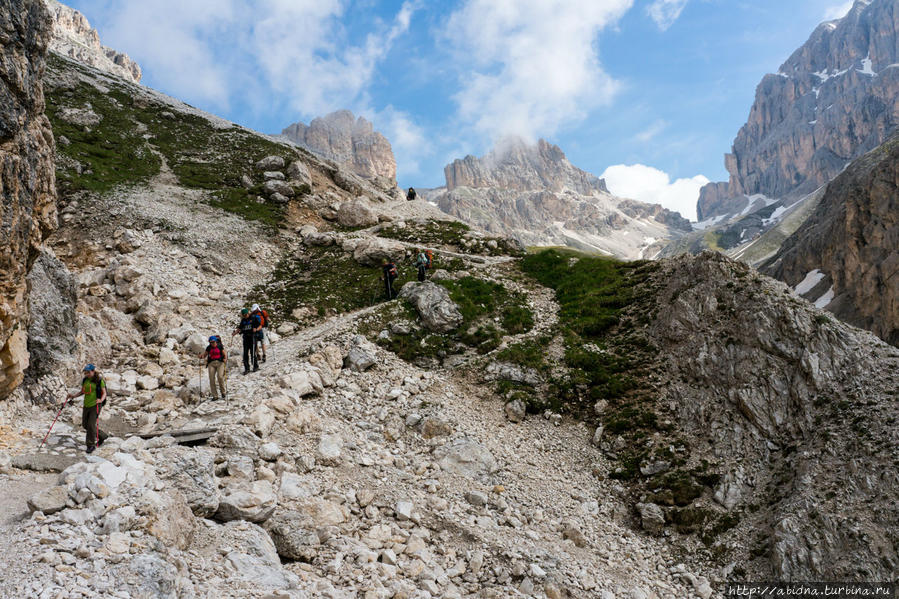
(349, 141)
(845, 257)
(834, 99)
(533, 193)
(74, 37)
(28, 196)
(53, 327)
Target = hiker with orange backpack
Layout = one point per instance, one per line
(216, 358)
(261, 335)
(93, 387)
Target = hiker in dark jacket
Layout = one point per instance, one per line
(411, 195)
(249, 325)
(421, 263)
(216, 358)
(389, 275)
(93, 387)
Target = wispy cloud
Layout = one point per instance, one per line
(648, 184)
(292, 52)
(651, 132)
(527, 68)
(665, 12)
(838, 12)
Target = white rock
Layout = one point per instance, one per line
(269, 451)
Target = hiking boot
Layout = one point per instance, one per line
(101, 442)
(246, 372)
(90, 449)
(255, 368)
(263, 357)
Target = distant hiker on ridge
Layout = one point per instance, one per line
(389, 275)
(248, 327)
(215, 365)
(411, 195)
(93, 387)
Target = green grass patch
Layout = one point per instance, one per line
(326, 281)
(489, 311)
(452, 234)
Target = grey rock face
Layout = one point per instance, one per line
(534, 194)
(852, 240)
(294, 534)
(652, 518)
(51, 334)
(437, 311)
(74, 37)
(28, 196)
(349, 141)
(754, 374)
(834, 99)
(518, 166)
(253, 502)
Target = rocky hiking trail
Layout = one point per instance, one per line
(368, 475)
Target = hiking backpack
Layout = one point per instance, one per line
(100, 384)
(216, 351)
(393, 271)
(430, 256)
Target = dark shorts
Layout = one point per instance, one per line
(260, 335)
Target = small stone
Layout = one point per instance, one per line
(515, 411)
(269, 451)
(476, 498)
(403, 510)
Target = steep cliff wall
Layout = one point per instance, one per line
(834, 99)
(847, 252)
(27, 189)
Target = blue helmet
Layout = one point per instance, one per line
(90, 368)
(213, 338)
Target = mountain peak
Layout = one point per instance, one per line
(74, 37)
(516, 164)
(350, 141)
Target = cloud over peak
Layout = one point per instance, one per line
(527, 68)
(648, 184)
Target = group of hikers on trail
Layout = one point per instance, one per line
(252, 326)
(389, 272)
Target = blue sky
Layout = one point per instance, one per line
(649, 93)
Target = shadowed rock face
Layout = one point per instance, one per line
(852, 239)
(351, 142)
(74, 37)
(834, 99)
(28, 196)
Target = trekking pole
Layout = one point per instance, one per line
(54, 422)
(201, 377)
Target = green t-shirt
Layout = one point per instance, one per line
(89, 387)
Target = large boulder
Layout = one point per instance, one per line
(373, 252)
(54, 325)
(298, 173)
(270, 163)
(356, 213)
(273, 186)
(49, 501)
(465, 457)
(298, 532)
(191, 471)
(253, 502)
(438, 312)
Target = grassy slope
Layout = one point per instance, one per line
(122, 149)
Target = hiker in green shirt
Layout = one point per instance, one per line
(93, 387)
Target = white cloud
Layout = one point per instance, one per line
(648, 184)
(838, 12)
(408, 140)
(526, 68)
(289, 52)
(665, 12)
